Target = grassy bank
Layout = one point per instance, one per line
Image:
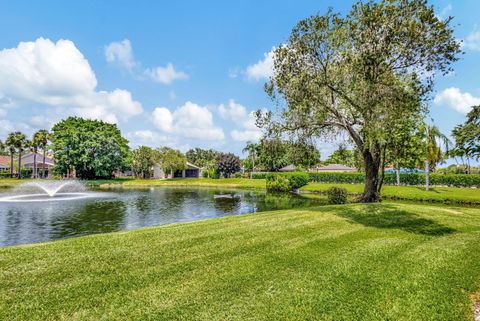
(351, 262)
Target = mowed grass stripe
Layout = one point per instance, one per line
(363, 262)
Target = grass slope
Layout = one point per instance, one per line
(350, 262)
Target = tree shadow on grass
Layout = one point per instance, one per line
(390, 217)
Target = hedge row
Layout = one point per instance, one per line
(26, 173)
(412, 179)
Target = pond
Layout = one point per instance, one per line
(126, 209)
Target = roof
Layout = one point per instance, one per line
(191, 165)
(28, 158)
(288, 168)
(335, 167)
(5, 160)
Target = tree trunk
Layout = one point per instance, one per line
(11, 165)
(427, 175)
(397, 171)
(43, 164)
(34, 173)
(19, 174)
(371, 193)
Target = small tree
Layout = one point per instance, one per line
(143, 158)
(467, 137)
(227, 164)
(171, 160)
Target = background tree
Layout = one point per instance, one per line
(342, 155)
(200, 157)
(20, 143)
(3, 148)
(273, 153)
(467, 137)
(359, 74)
(142, 160)
(10, 145)
(227, 164)
(252, 150)
(41, 138)
(433, 154)
(171, 160)
(303, 154)
(93, 148)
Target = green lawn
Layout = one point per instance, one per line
(348, 262)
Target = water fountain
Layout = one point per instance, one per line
(51, 190)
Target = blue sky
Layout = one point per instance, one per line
(178, 73)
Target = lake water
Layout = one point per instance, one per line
(126, 209)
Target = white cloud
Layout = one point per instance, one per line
(247, 130)
(452, 97)
(190, 121)
(232, 111)
(472, 41)
(165, 75)
(56, 74)
(148, 138)
(263, 69)
(445, 11)
(120, 53)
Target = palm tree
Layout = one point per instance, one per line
(252, 150)
(20, 143)
(42, 137)
(434, 153)
(10, 143)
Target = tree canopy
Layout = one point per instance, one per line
(359, 74)
(467, 136)
(92, 148)
(142, 160)
(171, 160)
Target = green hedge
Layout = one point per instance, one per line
(285, 182)
(26, 173)
(412, 179)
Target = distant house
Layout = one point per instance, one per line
(333, 168)
(4, 163)
(28, 162)
(192, 171)
(288, 168)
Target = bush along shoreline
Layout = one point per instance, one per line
(406, 179)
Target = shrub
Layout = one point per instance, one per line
(286, 182)
(278, 183)
(259, 175)
(237, 175)
(297, 180)
(337, 195)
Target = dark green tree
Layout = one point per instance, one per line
(92, 148)
(303, 154)
(359, 74)
(201, 157)
(227, 164)
(273, 153)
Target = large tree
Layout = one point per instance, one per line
(91, 148)
(273, 153)
(359, 74)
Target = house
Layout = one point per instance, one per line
(4, 163)
(28, 162)
(288, 168)
(192, 171)
(333, 168)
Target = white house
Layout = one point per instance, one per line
(192, 171)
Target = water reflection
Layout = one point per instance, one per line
(130, 209)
